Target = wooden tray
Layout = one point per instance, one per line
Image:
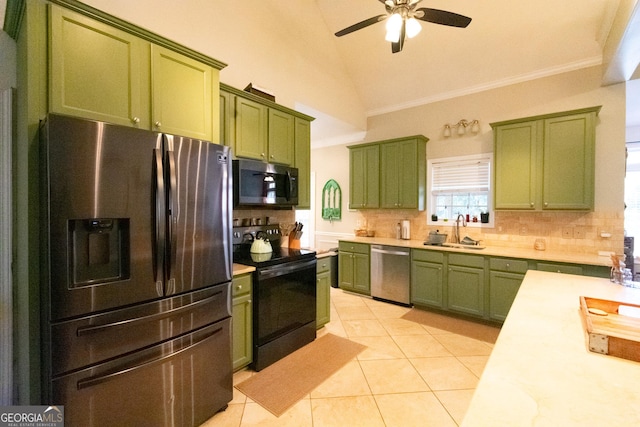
(612, 333)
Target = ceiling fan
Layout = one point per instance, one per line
(402, 21)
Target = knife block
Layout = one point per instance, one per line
(294, 241)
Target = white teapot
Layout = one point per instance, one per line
(261, 246)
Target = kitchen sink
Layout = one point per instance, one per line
(463, 246)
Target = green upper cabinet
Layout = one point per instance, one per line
(364, 177)
(546, 162)
(251, 134)
(569, 162)
(403, 173)
(97, 71)
(516, 165)
(302, 152)
(125, 75)
(388, 174)
(182, 95)
(227, 118)
(281, 137)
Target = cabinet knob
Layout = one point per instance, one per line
(508, 266)
(531, 204)
(546, 204)
(249, 301)
(272, 156)
(239, 287)
(262, 155)
(157, 124)
(135, 120)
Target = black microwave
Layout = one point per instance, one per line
(257, 183)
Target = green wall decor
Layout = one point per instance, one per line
(331, 201)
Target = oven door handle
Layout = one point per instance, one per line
(286, 268)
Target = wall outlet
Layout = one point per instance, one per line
(579, 232)
(567, 233)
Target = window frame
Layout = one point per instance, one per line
(488, 157)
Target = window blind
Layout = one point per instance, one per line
(461, 176)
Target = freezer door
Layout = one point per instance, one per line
(90, 340)
(199, 211)
(181, 382)
(97, 192)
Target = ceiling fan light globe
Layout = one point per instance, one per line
(394, 24)
(413, 27)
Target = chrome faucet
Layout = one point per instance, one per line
(457, 228)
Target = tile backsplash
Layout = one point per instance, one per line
(575, 232)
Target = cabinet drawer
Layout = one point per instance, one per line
(241, 285)
(510, 265)
(466, 260)
(323, 265)
(428, 256)
(560, 268)
(361, 248)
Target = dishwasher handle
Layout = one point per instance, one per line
(385, 250)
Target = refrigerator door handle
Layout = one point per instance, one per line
(86, 330)
(159, 220)
(172, 221)
(93, 381)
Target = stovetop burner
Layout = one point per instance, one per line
(278, 256)
(244, 236)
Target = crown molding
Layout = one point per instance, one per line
(572, 66)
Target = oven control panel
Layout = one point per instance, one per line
(246, 235)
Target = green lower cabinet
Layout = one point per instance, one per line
(323, 289)
(353, 267)
(427, 278)
(560, 268)
(503, 288)
(242, 312)
(465, 290)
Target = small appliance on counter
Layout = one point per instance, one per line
(405, 229)
(436, 238)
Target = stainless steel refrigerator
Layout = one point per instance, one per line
(136, 272)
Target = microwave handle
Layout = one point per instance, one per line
(288, 185)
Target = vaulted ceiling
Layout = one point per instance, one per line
(506, 42)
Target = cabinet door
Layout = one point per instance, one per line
(426, 283)
(227, 118)
(96, 71)
(465, 290)
(361, 273)
(281, 137)
(302, 150)
(503, 288)
(251, 129)
(242, 331)
(390, 175)
(399, 175)
(322, 298)
(569, 162)
(182, 95)
(345, 270)
(364, 177)
(517, 166)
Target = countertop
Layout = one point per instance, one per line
(503, 251)
(541, 373)
(239, 269)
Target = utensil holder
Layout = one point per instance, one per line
(294, 240)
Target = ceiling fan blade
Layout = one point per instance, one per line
(360, 25)
(442, 17)
(397, 47)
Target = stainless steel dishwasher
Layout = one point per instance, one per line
(390, 273)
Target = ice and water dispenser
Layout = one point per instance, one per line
(99, 250)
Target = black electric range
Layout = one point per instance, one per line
(284, 294)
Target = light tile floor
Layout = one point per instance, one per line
(409, 375)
